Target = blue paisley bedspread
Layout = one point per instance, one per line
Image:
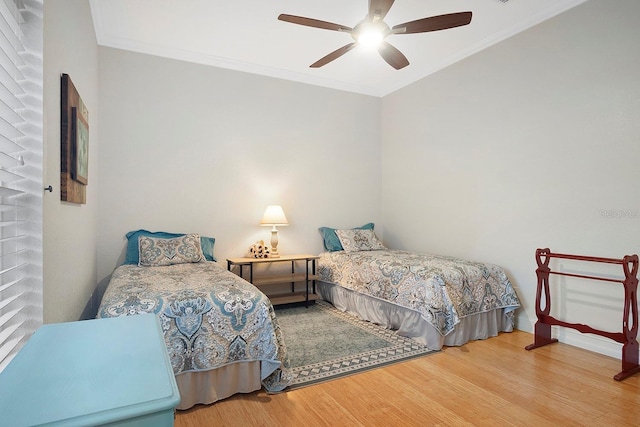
(209, 316)
(442, 289)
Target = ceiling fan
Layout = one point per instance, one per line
(372, 30)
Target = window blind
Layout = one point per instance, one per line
(21, 189)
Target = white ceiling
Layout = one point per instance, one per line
(245, 35)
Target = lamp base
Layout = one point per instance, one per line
(274, 243)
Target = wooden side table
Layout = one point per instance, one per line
(303, 270)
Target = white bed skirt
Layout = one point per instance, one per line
(409, 323)
(210, 386)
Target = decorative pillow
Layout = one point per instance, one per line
(179, 250)
(133, 255)
(359, 240)
(206, 243)
(330, 239)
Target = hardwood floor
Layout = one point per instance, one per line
(494, 382)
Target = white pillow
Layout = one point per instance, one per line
(359, 240)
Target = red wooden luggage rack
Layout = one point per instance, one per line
(629, 320)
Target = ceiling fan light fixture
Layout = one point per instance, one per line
(370, 39)
(370, 34)
(372, 31)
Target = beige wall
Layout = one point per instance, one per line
(192, 148)
(69, 230)
(530, 143)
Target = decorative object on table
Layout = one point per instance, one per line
(274, 215)
(74, 143)
(259, 250)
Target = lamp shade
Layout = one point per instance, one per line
(274, 215)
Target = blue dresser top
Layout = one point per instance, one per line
(89, 373)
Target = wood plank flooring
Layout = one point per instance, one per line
(494, 382)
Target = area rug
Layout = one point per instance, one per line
(324, 343)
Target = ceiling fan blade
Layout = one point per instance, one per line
(433, 23)
(309, 22)
(378, 9)
(333, 55)
(393, 56)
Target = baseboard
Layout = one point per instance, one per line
(589, 342)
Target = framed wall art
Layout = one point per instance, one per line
(74, 144)
(79, 146)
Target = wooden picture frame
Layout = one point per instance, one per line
(74, 144)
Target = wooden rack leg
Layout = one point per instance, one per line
(542, 336)
(542, 330)
(630, 348)
(629, 361)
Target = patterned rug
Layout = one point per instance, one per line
(324, 343)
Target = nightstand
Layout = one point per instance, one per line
(302, 270)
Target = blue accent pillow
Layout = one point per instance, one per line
(330, 238)
(207, 247)
(133, 256)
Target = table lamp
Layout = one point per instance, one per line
(274, 215)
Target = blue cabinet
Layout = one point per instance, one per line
(112, 371)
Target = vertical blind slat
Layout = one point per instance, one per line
(6, 333)
(9, 12)
(13, 267)
(9, 348)
(6, 301)
(9, 285)
(8, 146)
(8, 161)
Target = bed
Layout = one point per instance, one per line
(436, 300)
(221, 332)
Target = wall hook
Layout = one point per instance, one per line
(49, 189)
